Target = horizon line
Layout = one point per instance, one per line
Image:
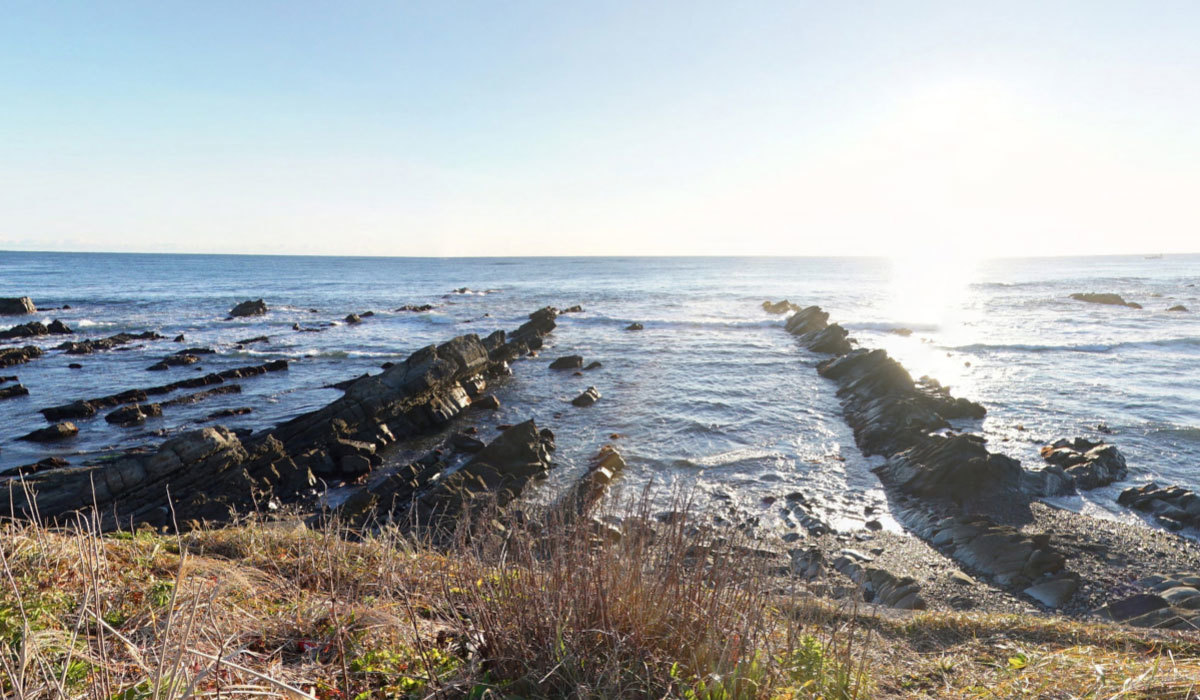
(1144, 254)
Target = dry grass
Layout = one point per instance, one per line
(564, 610)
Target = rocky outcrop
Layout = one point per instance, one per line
(1089, 464)
(589, 396)
(567, 362)
(434, 492)
(416, 308)
(887, 410)
(1167, 602)
(16, 306)
(958, 468)
(1004, 553)
(16, 356)
(211, 472)
(1178, 307)
(87, 347)
(779, 307)
(880, 586)
(35, 329)
(586, 492)
(177, 360)
(937, 479)
(135, 414)
(1107, 299)
(1172, 506)
(85, 408)
(635, 326)
(54, 433)
(249, 308)
(13, 391)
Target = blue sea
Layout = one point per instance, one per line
(713, 396)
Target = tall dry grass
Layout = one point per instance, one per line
(521, 605)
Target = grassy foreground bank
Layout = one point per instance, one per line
(279, 610)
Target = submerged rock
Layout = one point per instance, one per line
(1107, 299)
(779, 307)
(257, 307)
(16, 306)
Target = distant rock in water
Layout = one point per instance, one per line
(577, 309)
(352, 319)
(903, 332)
(1104, 298)
(416, 307)
(567, 362)
(1178, 307)
(16, 306)
(635, 327)
(589, 396)
(779, 307)
(249, 308)
(1090, 464)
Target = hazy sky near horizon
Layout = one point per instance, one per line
(571, 128)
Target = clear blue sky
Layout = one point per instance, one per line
(494, 128)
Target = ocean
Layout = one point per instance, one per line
(712, 397)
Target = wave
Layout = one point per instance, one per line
(891, 326)
(1190, 341)
(675, 324)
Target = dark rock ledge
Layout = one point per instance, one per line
(209, 474)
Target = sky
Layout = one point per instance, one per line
(960, 129)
